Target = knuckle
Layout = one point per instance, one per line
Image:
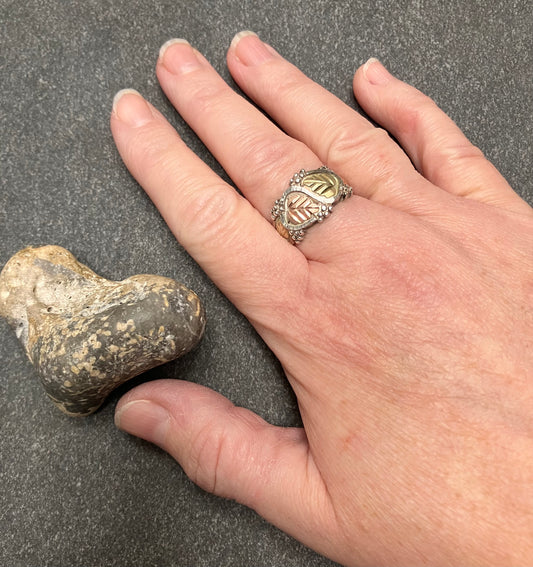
(422, 115)
(220, 452)
(205, 97)
(455, 157)
(349, 144)
(463, 152)
(290, 84)
(204, 457)
(412, 118)
(211, 212)
(292, 87)
(268, 157)
(152, 148)
(372, 150)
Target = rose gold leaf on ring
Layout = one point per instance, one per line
(300, 208)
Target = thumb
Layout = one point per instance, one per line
(232, 452)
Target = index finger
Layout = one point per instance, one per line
(235, 245)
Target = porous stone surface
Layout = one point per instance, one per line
(85, 334)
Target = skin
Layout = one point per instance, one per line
(404, 322)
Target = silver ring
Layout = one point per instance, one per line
(309, 198)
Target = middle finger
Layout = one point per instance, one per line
(364, 155)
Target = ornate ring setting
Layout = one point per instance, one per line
(309, 198)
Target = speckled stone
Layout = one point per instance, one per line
(85, 334)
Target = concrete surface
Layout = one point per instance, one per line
(78, 492)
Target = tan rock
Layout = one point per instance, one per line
(85, 334)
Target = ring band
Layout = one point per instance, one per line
(309, 198)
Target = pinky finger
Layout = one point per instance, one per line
(436, 145)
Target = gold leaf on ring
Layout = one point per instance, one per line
(322, 183)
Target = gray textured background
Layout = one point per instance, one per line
(78, 492)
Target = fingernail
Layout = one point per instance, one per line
(144, 419)
(375, 73)
(250, 50)
(178, 57)
(131, 108)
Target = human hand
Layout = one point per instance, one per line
(404, 322)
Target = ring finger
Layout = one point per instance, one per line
(257, 155)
